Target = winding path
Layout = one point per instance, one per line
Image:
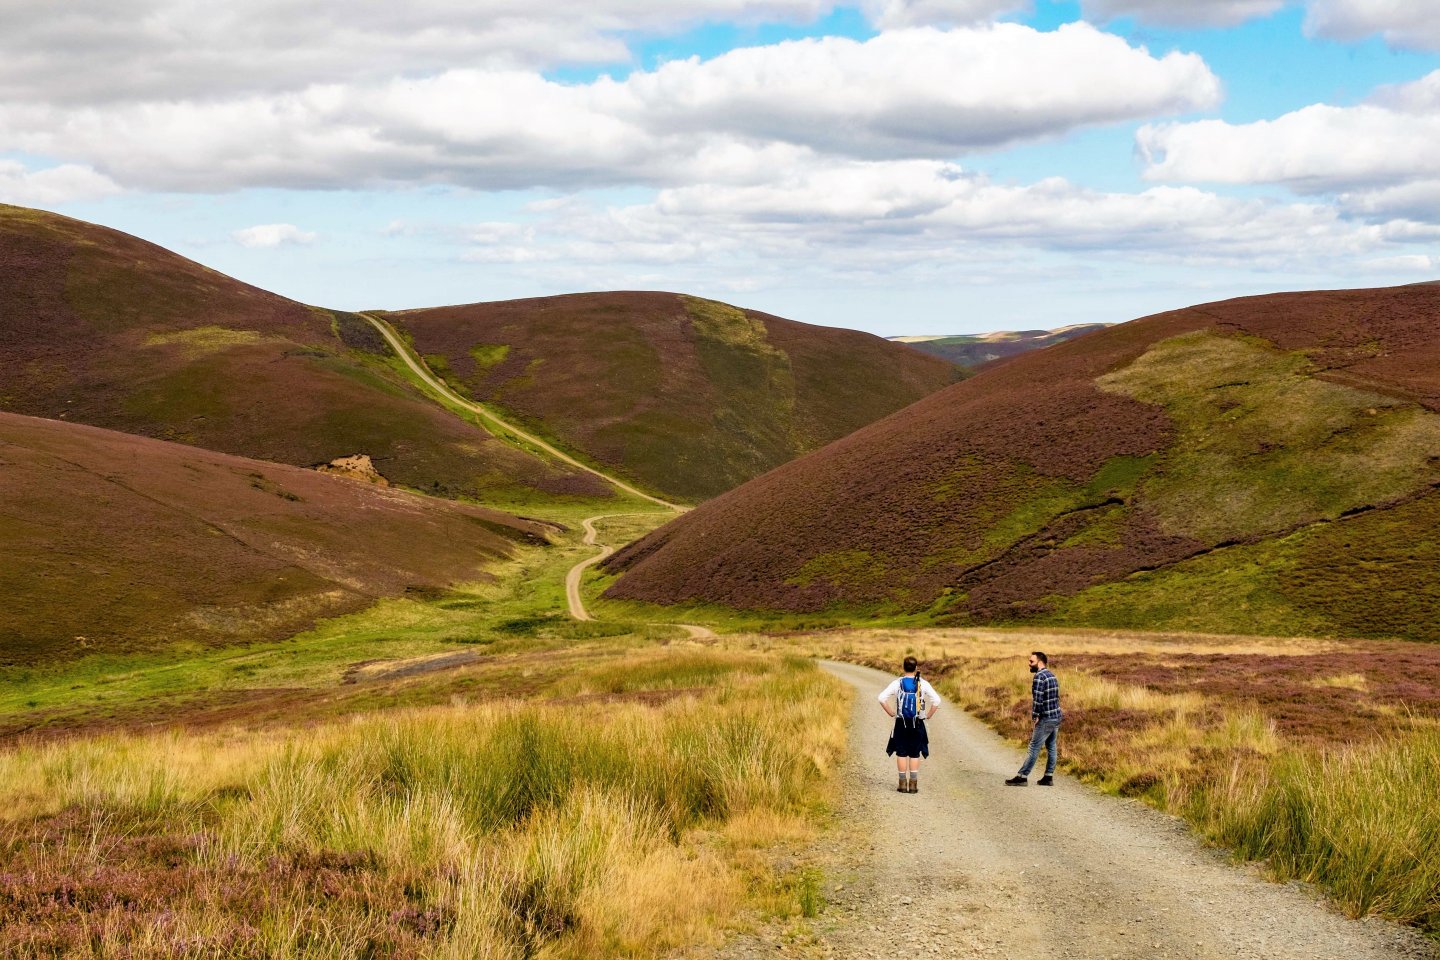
(971, 868)
(576, 602)
(573, 599)
(572, 579)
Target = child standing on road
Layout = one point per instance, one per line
(915, 701)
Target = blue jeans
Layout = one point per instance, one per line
(1045, 734)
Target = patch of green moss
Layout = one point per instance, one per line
(1376, 574)
(1229, 591)
(1368, 575)
(847, 569)
(1262, 446)
(1020, 503)
(488, 355)
(202, 341)
(723, 323)
(1105, 529)
(754, 424)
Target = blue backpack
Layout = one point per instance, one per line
(909, 703)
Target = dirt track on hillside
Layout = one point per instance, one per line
(576, 603)
(971, 868)
(423, 372)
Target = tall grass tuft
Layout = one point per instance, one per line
(1359, 821)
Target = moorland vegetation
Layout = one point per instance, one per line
(683, 395)
(1260, 465)
(452, 767)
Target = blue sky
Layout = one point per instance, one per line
(900, 166)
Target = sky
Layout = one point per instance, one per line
(897, 166)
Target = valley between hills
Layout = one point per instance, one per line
(541, 676)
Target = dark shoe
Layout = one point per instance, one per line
(914, 786)
(1045, 781)
(903, 788)
(1016, 781)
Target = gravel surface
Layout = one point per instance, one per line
(969, 867)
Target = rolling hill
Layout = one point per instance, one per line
(120, 543)
(688, 396)
(99, 327)
(1262, 465)
(685, 396)
(972, 350)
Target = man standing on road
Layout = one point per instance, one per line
(1045, 711)
(915, 702)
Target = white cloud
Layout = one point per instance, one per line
(1184, 13)
(890, 14)
(1387, 142)
(855, 219)
(52, 186)
(106, 51)
(924, 92)
(1410, 263)
(1418, 198)
(907, 93)
(267, 235)
(1412, 24)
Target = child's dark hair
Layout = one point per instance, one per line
(911, 664)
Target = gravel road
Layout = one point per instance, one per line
(969, 867)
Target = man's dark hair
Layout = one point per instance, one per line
(911, 663)
(1041, 657)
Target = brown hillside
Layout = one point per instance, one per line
(688, 396)
(1268, 463)
(115, 542)
(102, 328)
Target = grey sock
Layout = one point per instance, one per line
(914, 774)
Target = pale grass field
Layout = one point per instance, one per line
(642, 819)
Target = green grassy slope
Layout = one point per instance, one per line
(1269, 464)
(102, 328)
(687, 396)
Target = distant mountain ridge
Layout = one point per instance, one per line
(972, 350)
(686, 395)
(1263, 465)
(683, 396)
(100, 327)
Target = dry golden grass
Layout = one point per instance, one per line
(621, 826)
(1319, 757)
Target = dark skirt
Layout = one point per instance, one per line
(908, 739)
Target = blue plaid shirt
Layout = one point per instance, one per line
(1045, 697)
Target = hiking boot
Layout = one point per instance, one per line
(904, 786)
(1045, 781)
(914, 786)
(1016, 781)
